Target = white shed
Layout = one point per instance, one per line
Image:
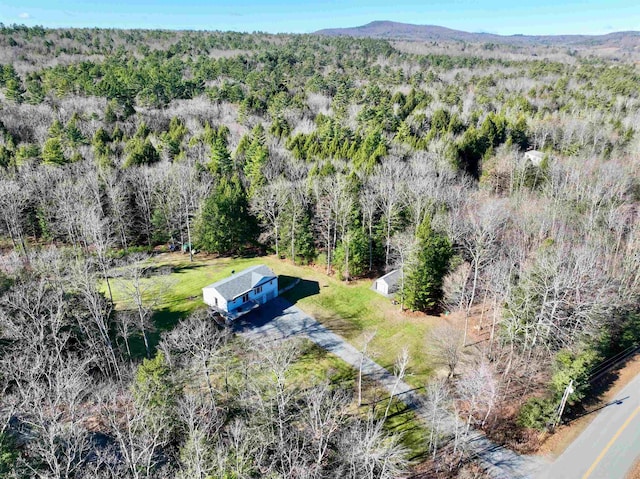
(387, 284)
(534, 156)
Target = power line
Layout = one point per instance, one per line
(607, 364)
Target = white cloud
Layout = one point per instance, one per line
(24, 15)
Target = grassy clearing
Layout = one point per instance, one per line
(316, 364)
(346, 308)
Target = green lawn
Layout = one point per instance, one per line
(346, 308)
(316, 364)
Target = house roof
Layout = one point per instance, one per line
(391, 277)
(239, 283)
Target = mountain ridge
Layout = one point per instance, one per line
(385, 29)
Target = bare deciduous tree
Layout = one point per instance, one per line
(13, 200)
(196, 340)
(388, 182)
(139, 437)
(141, 294)
(446, 343)
(369, 453)
(268, 204)
(399, 371)
(367, 337)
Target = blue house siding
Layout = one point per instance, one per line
(260, 294)
(242, 291)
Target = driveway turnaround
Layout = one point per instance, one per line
(609, 446)
(278, 320)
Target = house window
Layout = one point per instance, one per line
(216, 301)
(245, 297)
(258, 290)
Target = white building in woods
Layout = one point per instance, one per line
(534, 156)
(387, 284)
(241, 292)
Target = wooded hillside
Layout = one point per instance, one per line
(352, 154)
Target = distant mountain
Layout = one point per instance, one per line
(406, 31)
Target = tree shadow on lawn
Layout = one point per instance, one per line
(163, 320)
(340, 325)
(167, 269)
(404, 422)
(189, 267)
(338, 373)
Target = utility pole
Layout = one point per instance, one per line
(567, 391)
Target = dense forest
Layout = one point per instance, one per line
(502, 180)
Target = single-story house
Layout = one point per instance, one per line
(241, 292)
(387, 284)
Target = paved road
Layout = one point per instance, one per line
(278, 320)
(609, 446)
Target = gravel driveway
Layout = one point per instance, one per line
(279, 319)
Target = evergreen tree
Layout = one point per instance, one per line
(225, 224)
(111, 112)
(404, 135)
(154, 389)
(73, 134)
(256, 157)
(55, 130)
(52, 152)
(35, 93)
(351, 257)
(172, 139)
(440, 122)
(423, 283)
(280, 127)
(6, 156)
(140, 152)
(220, 163)
(372, 149)
(518, 133)
(14, 90)
(305, 243)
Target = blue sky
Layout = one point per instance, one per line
(494, 16)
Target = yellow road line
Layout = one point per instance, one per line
(610, 443)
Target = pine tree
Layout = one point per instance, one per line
(351, 256)
(154, 389)
(172, 139)
(404, 135)
(225, 224)
(140, 152)
(257, 155)
(111, 112)
(52, 152)
(35, 93)
(55, 130)
(73, 133)
(220, 163)
(424, 278)
(14, 90)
